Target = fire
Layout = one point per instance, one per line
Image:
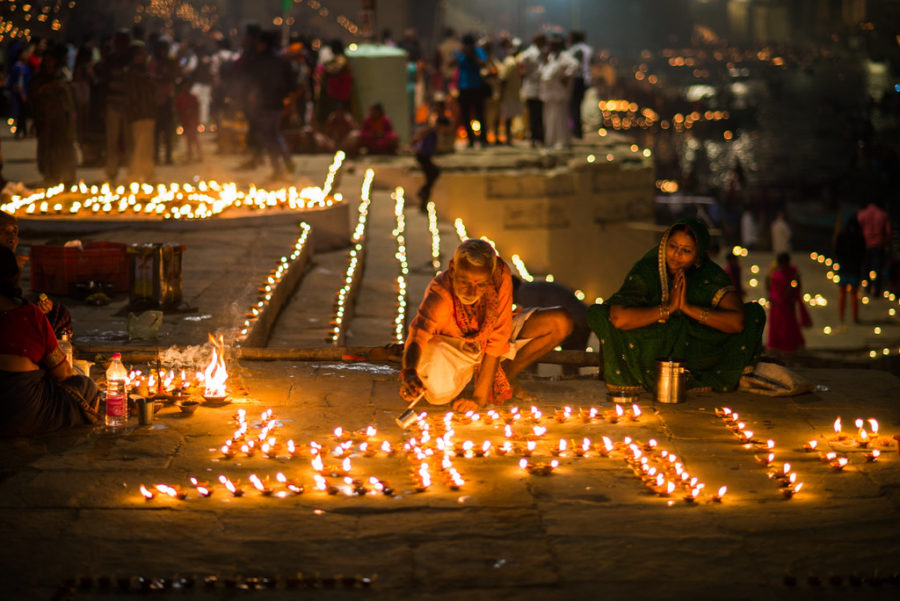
(837, 426)
(317, 463)
(148, 494)
(722, 491)
(216, 375)
(873, 424)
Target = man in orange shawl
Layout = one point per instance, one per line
(466, 325)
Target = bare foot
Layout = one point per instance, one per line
(521, 394)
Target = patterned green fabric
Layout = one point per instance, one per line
(715, 360)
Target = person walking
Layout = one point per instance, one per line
(781, 234)
(272, 80)
(530, 61)
(111, 73)
(876, 229)
(53, 106)
(849, 254)
(141, 114)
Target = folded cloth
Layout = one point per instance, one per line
(771, 379)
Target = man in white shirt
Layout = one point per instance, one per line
(556, 81)
(530, 61)
(582, 53)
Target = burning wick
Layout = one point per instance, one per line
(148, 494)
(202, 489)
(171, 491)
(811, 446)
(259, 485)
(232, 488)
(294, 488)
(717, 498)
(838, 464)
(789, 492)
(873, 456)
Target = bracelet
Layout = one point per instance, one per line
(663, 314)
(704, 315)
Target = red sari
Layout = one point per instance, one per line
(786, 299)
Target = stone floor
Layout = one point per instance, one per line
(73, 516)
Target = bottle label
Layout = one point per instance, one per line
(116, 406)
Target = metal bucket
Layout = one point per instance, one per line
(671, 378)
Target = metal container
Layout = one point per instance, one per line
(146, 409)
(671, 378)
(622, 397)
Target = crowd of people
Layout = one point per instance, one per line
(121, 101)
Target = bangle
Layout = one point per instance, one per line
(704, 315)
(663, 313)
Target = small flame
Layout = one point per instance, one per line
(371, 431)
(787, 468)
(619, 411)
(859, 423)
(873, 424)
(837, 426)
(345, 465)
(607, 443)
(317, 463)
(797, 487)
(863, 435)
(813, 444)
(148, 494)
(321, 484)
(257, 483)
(523, 463)
(562, 445)
(281, 477)
(635, 410)
(770, 444)
(216, 375)
(722, 491)
(670, 488)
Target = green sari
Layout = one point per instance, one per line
(715, 360)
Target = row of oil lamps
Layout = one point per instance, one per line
(355, 255)
(403, 264)
(431, 449)
(203, 200)
(785, 478)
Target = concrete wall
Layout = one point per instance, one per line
(585, 223)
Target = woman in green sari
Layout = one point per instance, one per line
(677, 304)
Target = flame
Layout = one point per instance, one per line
(562, 445)
(859, 423)
(837, 426)
(257, 483)
(148, 494)
(345, 465)
(873, 424)
(619, 411)
(770, 443)
(876, 454)
(386, 447)
(523, 463)
(635, 411)
(798, 487)
(167, 490)
(813, 444)
(787, 468)
(321, 484)
(607, 443)
(722, 491)
(842, 461)
(317, 463)
(216, 375)
(586, 444)
(863, 435)
(670, 487)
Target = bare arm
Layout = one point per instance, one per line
(411, 385)
(727, 317)
(483, 386)
(55, 362)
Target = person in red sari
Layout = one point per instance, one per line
(39, 391)
(786, 307)
(465, 325)
(377, 135)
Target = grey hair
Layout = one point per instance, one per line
(476, 253)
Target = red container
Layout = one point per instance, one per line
(53, 268)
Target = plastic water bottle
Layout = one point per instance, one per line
(116, 394)
(67, 349)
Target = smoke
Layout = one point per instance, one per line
(190, 358)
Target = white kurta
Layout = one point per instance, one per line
(556, 78)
